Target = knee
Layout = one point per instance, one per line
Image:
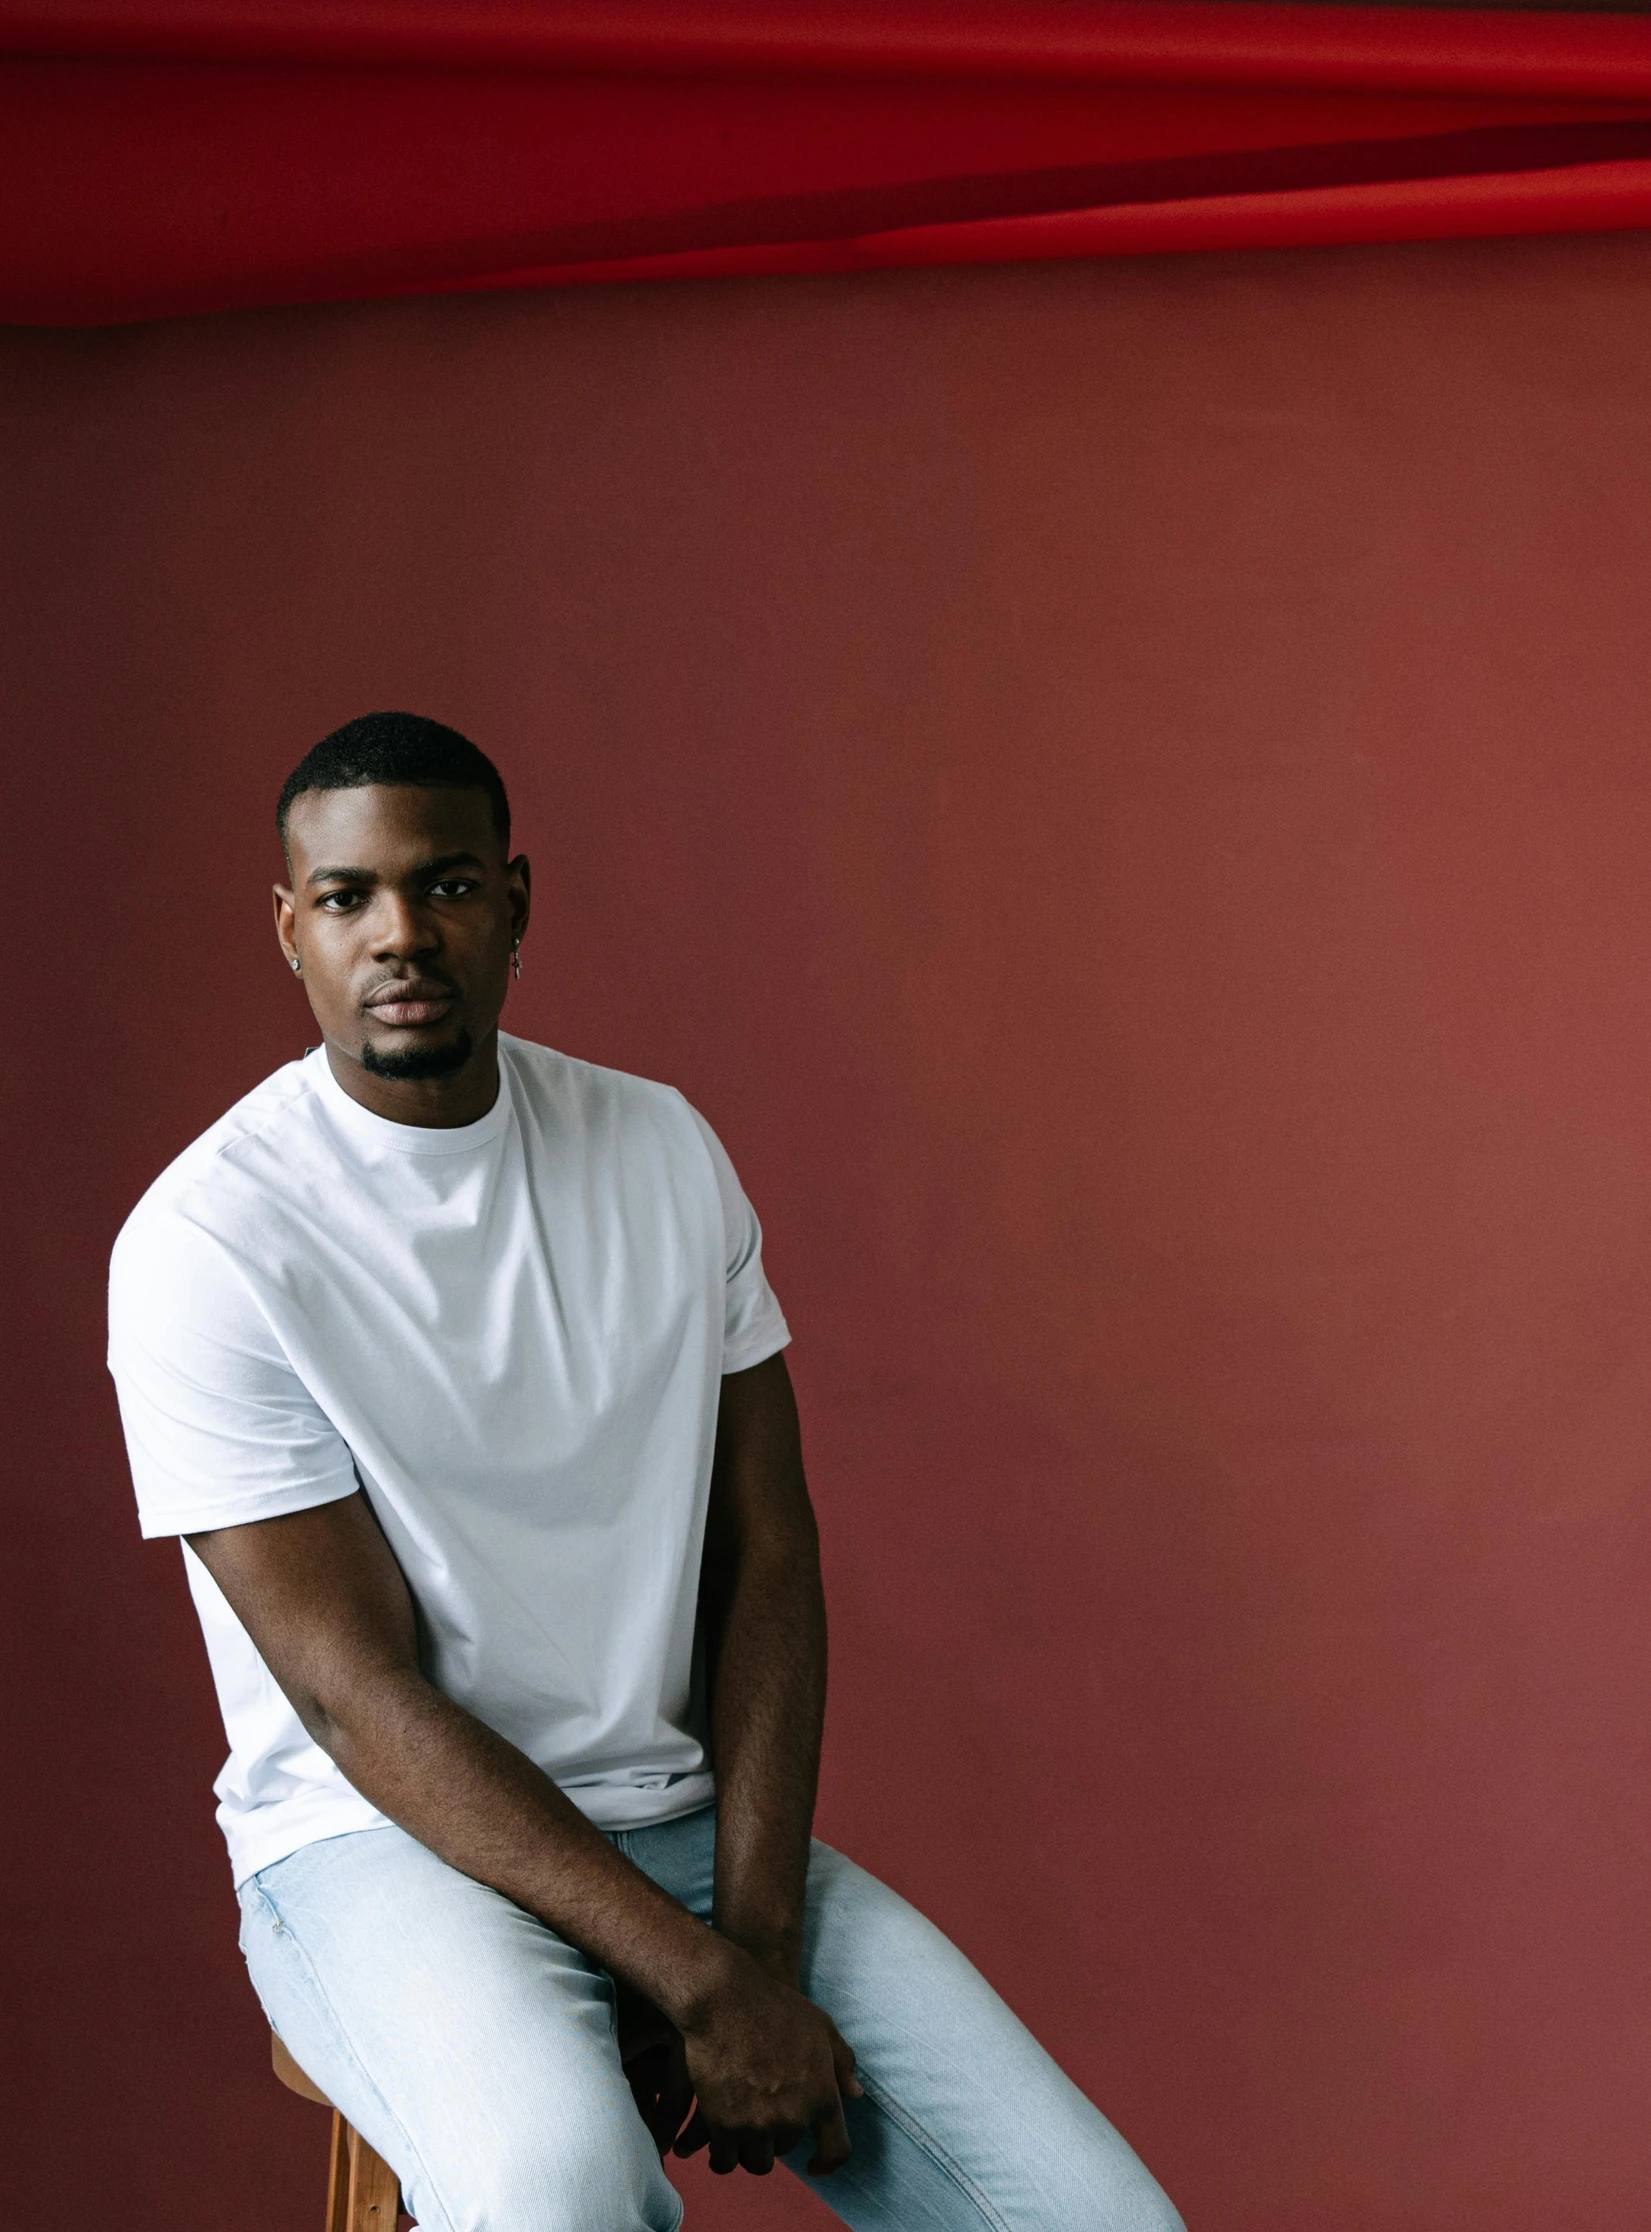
(556, 2180)
(1110, 2191)
(1149, 2209)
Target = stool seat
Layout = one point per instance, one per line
(363, 2192)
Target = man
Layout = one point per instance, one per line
(453, 1362)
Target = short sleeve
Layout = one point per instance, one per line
(219, 1428)
(754, 1327)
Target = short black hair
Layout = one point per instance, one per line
(399, 748)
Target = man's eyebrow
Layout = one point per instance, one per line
(436, 867)
(342, 875)
(447, 860)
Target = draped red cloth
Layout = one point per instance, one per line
(167, 156)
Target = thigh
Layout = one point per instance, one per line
(966, 2121)
(967, 2125)
(468, 2043)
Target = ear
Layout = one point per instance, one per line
(286, 924)
(520, 879)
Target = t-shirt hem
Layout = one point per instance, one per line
(618, 1805)
(254, 1846)
(269, 1503)
(298, 1823)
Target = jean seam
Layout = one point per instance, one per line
(357, 2063)
(925, 2139)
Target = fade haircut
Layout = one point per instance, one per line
(403, 749)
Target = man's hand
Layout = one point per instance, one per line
(766, 2065)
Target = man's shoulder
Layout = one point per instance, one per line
(555, 1085)
(207, 1163)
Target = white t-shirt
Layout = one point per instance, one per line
(512, 1337)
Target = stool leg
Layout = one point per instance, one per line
(374, 2189)
(338, 2176)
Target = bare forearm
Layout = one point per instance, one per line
(482, 1806)
(768, 1707)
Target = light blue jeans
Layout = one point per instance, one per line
(476, 2050)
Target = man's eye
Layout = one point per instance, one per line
(452, 887)
(340, 902)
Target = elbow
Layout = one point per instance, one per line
(350, 1719)
(320, 1724)
(782, 1557)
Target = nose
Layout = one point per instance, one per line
(401, 927)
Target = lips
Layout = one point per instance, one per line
(410, 1001)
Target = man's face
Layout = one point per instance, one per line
(401, 914)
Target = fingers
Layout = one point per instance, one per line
(675, 2098)
(756, 2151)
(831, 2147)
(657, 2074)
(696, 2133)
(645, 2074)
(842, 2060)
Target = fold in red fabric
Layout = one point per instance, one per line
(159, 157)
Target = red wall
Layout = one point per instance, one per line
(1124, 791)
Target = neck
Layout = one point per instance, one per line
(436, 1103)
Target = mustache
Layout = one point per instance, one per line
(409, 986)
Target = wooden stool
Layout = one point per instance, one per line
(363, 2193)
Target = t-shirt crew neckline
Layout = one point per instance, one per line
(408, 1139)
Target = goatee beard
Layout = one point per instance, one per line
(420, 1062)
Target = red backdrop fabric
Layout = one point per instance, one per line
(1122, 789)
(169, 156)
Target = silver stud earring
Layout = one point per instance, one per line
(516, 959)
(297, 965)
